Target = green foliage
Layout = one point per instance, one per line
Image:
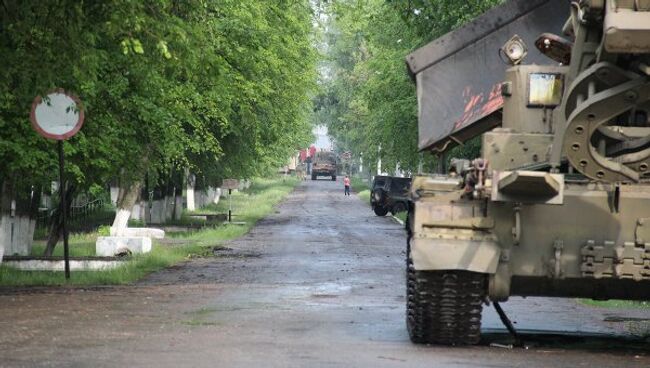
(222, 87)
(368, 100)
(433, 18)
(361, 188)
(104, 230)
(616, 304)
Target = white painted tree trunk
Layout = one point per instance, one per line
(115, 193)
(217, 196)
(178, 207)
(136, 211)
(189, 191)
(3, 237)
(126, 200)
(121, 222)
(170, 201)
(16, 225)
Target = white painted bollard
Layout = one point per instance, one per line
(108, 246)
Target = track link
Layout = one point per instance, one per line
(444, 307)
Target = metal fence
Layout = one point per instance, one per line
(79, 213)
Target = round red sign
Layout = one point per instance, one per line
(58, 115)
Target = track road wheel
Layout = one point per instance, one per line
(380, 211)
(444, 307)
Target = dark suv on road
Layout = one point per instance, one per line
(389, 194)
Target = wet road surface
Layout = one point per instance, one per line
(319, 283)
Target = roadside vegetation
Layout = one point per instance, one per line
(368, 100)
(206, 89)
(616, 304)
(361, 188)
(249, 206)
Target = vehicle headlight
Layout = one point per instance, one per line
(545, 89)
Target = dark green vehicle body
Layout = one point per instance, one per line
(389, 194)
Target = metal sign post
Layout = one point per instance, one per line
(58, 116)
(230, 184)
(63, 212)
(229, 205)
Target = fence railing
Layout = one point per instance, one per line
(78, 213)
(86, 209)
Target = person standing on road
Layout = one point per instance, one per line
(308, 161)
(346, 182)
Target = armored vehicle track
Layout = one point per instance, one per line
(444, 307)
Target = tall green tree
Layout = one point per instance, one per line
(367, 99)
(222, 87)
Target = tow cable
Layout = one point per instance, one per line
(519, 342)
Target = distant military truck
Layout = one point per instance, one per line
(324, 164)
(389, 194)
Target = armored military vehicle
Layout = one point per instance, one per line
(389, 194)
(558, 204)
(324, 163)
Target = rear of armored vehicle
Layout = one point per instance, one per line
(558, 204)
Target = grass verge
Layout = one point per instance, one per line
(81, 245)
(361, 188)
(249, 206)
(616, 304)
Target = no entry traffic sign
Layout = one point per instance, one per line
(58, 115)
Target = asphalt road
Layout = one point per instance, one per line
(319, 283)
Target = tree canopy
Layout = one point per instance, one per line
(368, 100)
(222, 87)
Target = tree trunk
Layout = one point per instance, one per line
(191, 181)
(5, 208)
(125, 202)
(56, 224)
